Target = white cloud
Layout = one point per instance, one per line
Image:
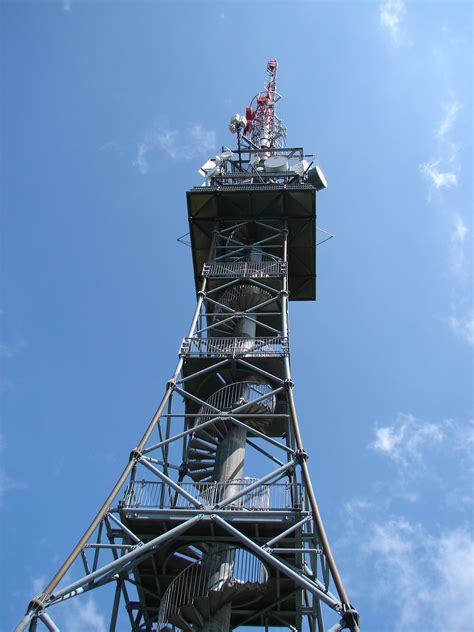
(451, 110)
(140, 162)
(5, 385)
(406, 439)
(463, 327)
(192, 142)
(461, 319)
(391, 17)
(424, 571)
(205, 139)
(458, 237)
(82, 615)
(443, 171)
(6, 484)
(38, 584)
(439, 179)
(11, 349)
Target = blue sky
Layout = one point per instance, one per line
(108, 111)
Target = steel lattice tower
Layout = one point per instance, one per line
(213, 523)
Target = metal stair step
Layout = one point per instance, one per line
(201, 455)
(192, 614)
(206, 436)
(199, 444)
(200, 465)
(202, 604)
(202, 477)
(178, 620)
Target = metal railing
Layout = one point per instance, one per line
(238, 394)
(245, 269)
(230, 568)
(228, 347)
(269, 497)
(241, 291)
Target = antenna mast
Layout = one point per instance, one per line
(266, 128)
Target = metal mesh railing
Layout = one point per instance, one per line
(245, 269)
(269, 497)
(244, 293)
(237, 394)
(228, 347)
(225, 568)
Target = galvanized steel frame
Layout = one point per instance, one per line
(108, 522)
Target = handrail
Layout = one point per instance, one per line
(147, 494)
(220, 569)
(262, 347)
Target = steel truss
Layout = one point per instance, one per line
(166, 512)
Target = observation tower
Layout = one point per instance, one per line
(213, 523)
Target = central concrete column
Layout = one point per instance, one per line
(229, 465)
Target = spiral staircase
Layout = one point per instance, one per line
(201, 454)
(220, 576)
(224, 576)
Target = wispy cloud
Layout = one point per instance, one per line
(438, 178)
(420, 451)
(463, 326)
(451, 110)
(422, 563)
(424, 570)
(194, 141)
(11, 349)
(443, 171)
(113, 146)
(391, 15)
(459, 233)
(6, 483)
(406, 439)
(82, 614)
(461, 319)
(38, 584)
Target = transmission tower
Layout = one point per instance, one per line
(213, 523)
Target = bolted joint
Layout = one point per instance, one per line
(135, 455)
(201, 293)
(350, 618)
(284, 293)
(288, 383)
(35, 605)
(171, 385)
(301, 456)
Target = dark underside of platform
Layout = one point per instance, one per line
(294, 203)
(157, 571)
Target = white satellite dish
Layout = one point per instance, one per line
(210, 164)
(300, 167)
(226, 155)
(317, 178)
(212, 172)
(237, 121)
(276, 164)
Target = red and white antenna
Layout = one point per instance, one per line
(265, 128)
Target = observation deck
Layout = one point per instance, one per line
(238, 192)
(148, 508)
